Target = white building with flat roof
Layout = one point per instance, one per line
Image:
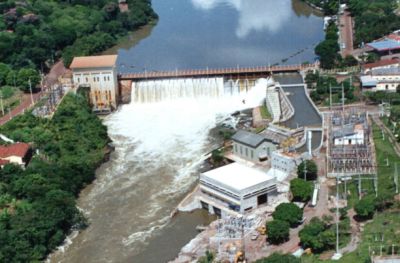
(235, 187)
(99, 74)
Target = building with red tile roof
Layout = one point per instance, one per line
(386, 63)
(17, 153)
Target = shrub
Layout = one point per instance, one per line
(365, 207)
(279, 258)
(278, 231)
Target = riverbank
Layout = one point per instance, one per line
(42, 198)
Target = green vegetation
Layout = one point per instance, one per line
(34, 33)
(382, 231)
(365, 208)
(328, 49)
(279, 258)
(301, 190)
(310, 168)
(208, 258)
(289, 213)
(320, 86)
(317, 235)
(37, 205)
(330, 7)
(278, 231)
(373, 19)
(265, 114)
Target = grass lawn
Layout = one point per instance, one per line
(386, 225)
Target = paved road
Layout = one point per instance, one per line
(346, 33)
(24, 105)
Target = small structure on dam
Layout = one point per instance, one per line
(235, 187)
(97, 74)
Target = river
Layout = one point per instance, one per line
(159, 144)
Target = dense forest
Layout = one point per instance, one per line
(373, 19)
(37, 205)
(35, 33)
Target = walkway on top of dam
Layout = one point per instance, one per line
(256, 71)
(305, 114)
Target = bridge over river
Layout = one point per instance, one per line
(259, 71)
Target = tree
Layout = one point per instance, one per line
(301, 190)
(27, 77)
(350, 61)
(311, 170)
(316, 235)
(279, 258)
(4, 70)
(288, 212)
(278, 231)
(365, 208)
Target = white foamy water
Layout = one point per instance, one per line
(160, 139)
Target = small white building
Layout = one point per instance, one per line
(235, 187)
(382, 79)
(286, 162)
(99, 74)
(251, 146)
(349, 135)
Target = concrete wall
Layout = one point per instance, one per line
(253, 153)
(125, 87)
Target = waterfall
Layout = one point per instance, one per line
(150, 91)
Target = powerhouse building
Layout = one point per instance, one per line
(235, 187)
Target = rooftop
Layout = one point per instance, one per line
(384, 45)
(248, 138)
(368, 81)
(238, 176)
(381, 63)
(94, 62)
(16, 149)
(386, 71)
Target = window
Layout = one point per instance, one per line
(87, 80)
(251, 154)
(247, 153)
(98, 79)
(235, 147)
(105, 79)
(241, 150)
(79, 80)
(108, 78)
(109, 95)
(94, 79)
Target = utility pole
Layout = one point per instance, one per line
(396, 178)
(30, 89)
(330, 96)
(305, 170)
(1, 102)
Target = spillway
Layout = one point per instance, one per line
(160, 139)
